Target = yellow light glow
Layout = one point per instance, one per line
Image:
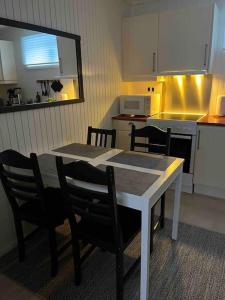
(180, 81)
(198, 81)
(183, 113)
(161, 79)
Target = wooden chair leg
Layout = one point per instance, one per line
(76, 252)
(119, 276)
(20, 238)
(53, 252)
(152, 229)
(162, 212)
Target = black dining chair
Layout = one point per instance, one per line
(156, 141)
(102, 222)
(30, 201)
(101, 136)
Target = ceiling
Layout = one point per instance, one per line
(137, 1)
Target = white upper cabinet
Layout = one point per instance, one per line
(140, 42)
(181, 41)
(8, 72)
(67, 57)
(186, 40)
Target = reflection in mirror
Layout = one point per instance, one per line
(36, 67)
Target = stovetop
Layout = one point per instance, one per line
(177, 117)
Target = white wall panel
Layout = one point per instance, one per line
(99, 24)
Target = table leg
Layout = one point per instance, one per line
(145, 251)
(176, 206)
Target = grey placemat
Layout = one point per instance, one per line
(82, 150)
(132, 182)
(143, 160)
(47, 163)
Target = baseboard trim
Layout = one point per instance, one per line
(209, 191)
(8, 248)
(28, 233)
(185, 188)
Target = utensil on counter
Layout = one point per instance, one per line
(45, 89)
(48, 88)
(42, 89)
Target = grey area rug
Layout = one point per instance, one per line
(191, 268)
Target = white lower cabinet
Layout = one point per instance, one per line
(123, 130)
(209, 175)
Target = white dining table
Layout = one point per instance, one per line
(154, 174)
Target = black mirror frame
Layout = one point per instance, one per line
(77, 38)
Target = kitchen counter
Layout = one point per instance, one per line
(22, 107)
(131, 118)
(212, 120)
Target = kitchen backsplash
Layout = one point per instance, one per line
(183, 93)
(187, 93)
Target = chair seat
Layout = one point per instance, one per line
(130, 221)
(31, 211)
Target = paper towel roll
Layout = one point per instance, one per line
(220, 110)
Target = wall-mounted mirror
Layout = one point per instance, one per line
(38, 64)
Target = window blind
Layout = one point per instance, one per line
(40, 50)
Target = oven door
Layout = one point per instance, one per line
(183, 146)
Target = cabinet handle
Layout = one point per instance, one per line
(60, 66)
(206, 54)
(199, 136)
(154, 57)
(1, 68)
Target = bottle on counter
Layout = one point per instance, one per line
(38, 98)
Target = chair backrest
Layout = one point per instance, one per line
(158, 140)
(21, 178)
(101, 137)
(90, 204)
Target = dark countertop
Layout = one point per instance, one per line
(131, 118)
(15, 108)
(212, 120)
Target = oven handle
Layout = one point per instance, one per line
(183, 137)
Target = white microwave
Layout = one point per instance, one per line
(140, 105)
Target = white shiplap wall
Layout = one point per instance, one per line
(99, 24)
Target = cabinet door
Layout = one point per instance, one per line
(8, 64)
(67, 56)
(123, 140)
(123, 131)
(210, 162)
(185, 40)
(140, 40)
